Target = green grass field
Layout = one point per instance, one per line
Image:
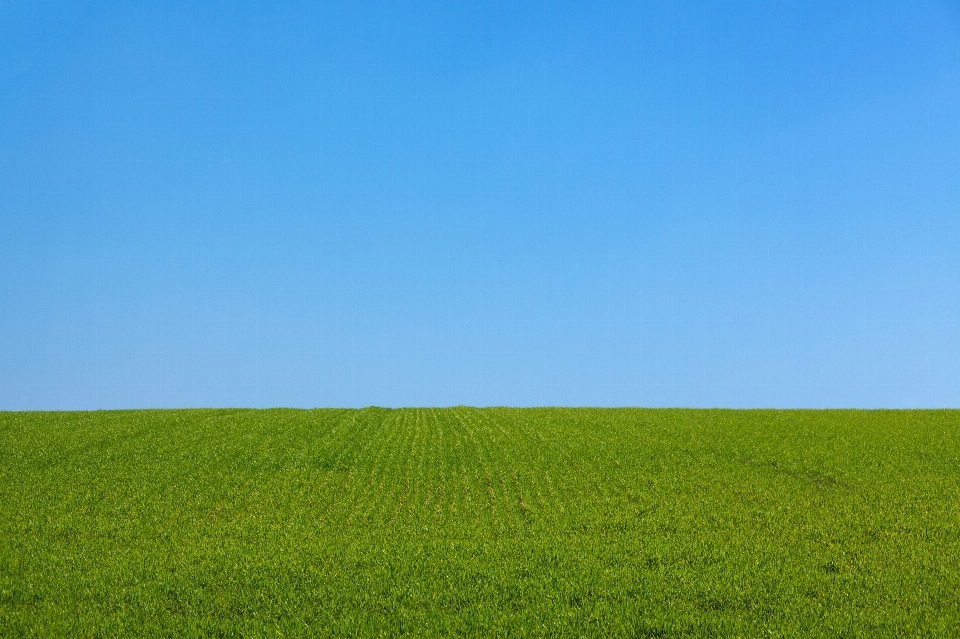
(493, 522)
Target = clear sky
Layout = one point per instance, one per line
(738, 204)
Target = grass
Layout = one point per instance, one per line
(492, 522)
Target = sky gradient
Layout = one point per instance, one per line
(738, 204)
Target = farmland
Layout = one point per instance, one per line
(480, 522)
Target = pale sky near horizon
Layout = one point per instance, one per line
(737, 204)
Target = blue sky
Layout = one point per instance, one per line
(738, 204)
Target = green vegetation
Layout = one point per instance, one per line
(493, 522)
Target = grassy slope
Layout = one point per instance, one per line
(480, 522)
